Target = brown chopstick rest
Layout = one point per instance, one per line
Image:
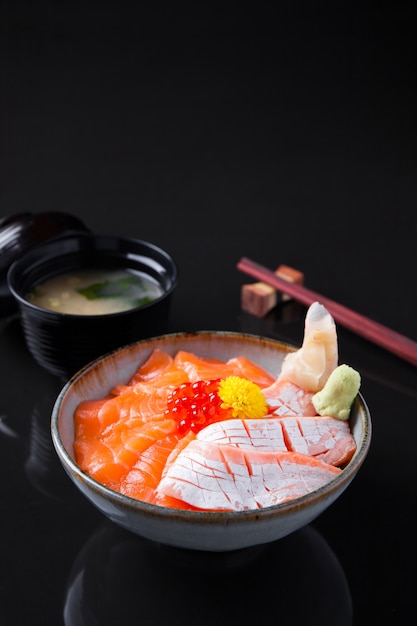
(259, 298)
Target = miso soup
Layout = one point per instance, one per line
(95, 292)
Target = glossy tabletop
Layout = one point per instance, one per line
(287, 136)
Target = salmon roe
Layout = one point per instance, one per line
(195, 405)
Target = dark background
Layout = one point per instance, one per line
(285, 132)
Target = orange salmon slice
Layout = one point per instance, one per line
(98, 460)
(221, 477)
(241, 366)
(156, 363)
(110, 458)
(140, 401)
(200, 368)
(160, 370)
(204, 368)
(86, 418)
(139, 439)
(141, 480)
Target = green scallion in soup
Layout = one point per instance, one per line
(95, 292)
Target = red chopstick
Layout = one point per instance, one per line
(392, 341)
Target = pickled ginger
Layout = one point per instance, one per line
(310, 366)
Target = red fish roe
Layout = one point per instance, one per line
(195, 405)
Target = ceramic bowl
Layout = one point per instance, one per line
(209, 531)
(63, 343)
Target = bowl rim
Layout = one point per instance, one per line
(340, 482)
(34, 252)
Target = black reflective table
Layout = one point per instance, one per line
(284, 135)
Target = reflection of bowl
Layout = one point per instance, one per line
(214, 531)
(119, 578)
(62, 342)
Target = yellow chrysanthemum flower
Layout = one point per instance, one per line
(244, 397)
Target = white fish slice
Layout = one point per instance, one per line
(326, 438)
(262, 434)
(214, 477)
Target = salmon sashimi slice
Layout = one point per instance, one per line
(94, 417)
(201, 368)
(221, 477)
(87, 422)
(181, 444)
(141, 481)
(149, 401)
(138, 439)
(156, 363)
(122, 456)
(98, 460)
(171, 503)
(204, 368)
(139, 401)
(153, 464)
(160, 370)
(108, 459)
(287, 398)
(262, 434)
(326, 438)
(116, 409)
(241, 366)
(168, 379)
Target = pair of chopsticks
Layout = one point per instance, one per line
(391, 340)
